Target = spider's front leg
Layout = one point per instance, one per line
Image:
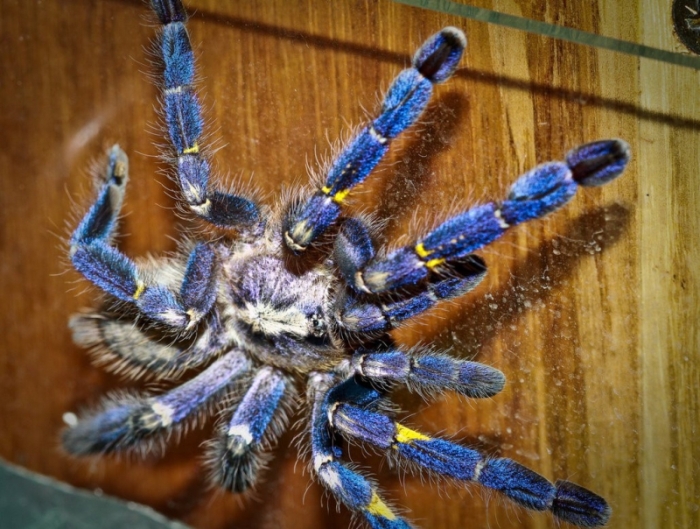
(93, 256)
(535, 194)
(354, 415)
(406, 99)
(183, 118)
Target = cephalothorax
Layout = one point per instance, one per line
(252, 316)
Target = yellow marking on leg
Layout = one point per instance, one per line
(406, 435)
(192, 150)
(434, 262)
(378, 508)
(140, 287)
(421, 251)
(340, 196)
(119, 169)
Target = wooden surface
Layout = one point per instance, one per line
(592, 314)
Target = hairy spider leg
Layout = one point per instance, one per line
(366, 314)
(183, 118)
(128, 420)
(362, 315)
(566, 500)
(116, 274)
(404, 102)
(428, 372)
(123, 347)
(119, 276)
(238, 455)
(542, 190)
(351, 488)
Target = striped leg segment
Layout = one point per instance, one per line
(428, 372)
(125, 348)
(368, 316)
(125, 422)
(184, 122)
(566, 500)
(351, 488)
(544, 189)
(237, 456)
(406, 99)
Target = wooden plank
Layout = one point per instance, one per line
(592, 314)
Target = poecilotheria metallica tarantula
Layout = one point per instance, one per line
(251, 325)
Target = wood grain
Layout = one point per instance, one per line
(592, 314)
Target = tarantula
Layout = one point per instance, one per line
(253, 324)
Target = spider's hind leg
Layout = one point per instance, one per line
(124, 347)
(238, 455)
(127, 422)
(183, 118)
(348, 486)
(566, 500)
(428, 372)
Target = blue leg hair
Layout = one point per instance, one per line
(183, 118)
(406, 99)
(353, 249)
(125, 348)
(125, 422)
(544, 189)
(259, 418)
(566, 500)
(116, 274)
(351, 488)
(361, 315)
(428, 372)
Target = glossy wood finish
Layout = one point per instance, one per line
(592, 314)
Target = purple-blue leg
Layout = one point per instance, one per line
(367, 315)
(121, 346)
(535, 194)
(406, 99)
(183, 118)
(351, 488)
(566, 500)
(353, 249)
(126, 422)
(428, 372)
(238, 455)
(364, 314)
(113, 272)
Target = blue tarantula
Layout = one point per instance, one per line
(252, 322)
